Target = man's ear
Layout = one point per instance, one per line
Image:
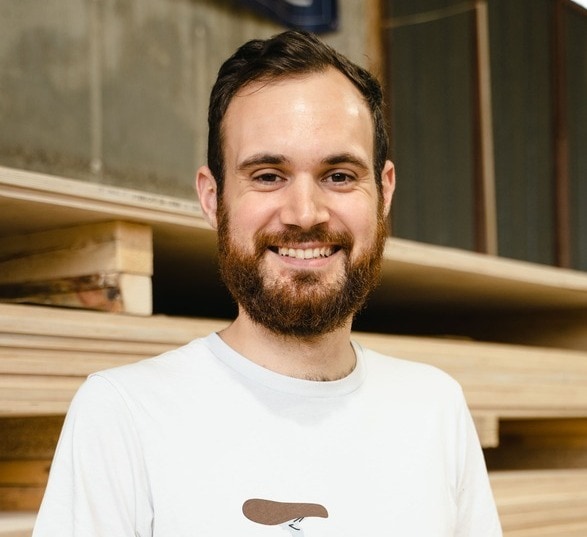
(208, 193)
(387, 185)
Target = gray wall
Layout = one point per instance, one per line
(115, 91)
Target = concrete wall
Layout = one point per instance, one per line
(115, 91)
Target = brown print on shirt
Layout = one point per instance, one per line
(287, 515)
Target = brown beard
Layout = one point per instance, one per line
(302, 305)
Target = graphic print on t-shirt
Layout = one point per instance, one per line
(288, 516)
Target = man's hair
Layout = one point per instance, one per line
(289, 53)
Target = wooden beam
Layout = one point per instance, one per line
(17, 473)
(44, 357)
(487, 208)
(509, 380)
(30, 438)
(17, 524)
(541, 503)
(104, 266)
(430, 278)
(113, 246)
(111, 292)
(562, 208)
(487, 425)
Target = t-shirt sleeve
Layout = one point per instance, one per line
(477, 512)
(97, 486)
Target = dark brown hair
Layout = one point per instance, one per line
(292, 52)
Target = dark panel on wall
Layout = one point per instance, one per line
(577, 117)
(430, 73)
(520, 36)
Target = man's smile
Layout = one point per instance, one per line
(305, 253)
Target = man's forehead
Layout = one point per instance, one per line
(328, 77)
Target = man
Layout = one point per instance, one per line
(279, 422)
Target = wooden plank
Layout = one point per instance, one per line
(29, 438)
(38, 388)
(51, 363)
(80, 344)
(499, 381)
(485, 152)
(487, 426)
(134, 239)
(26, 320)
(17, 524)
(104, 266)
(414, 275)
(108, 247)
(506, 379)
(113, 293)
(21, 498)
(435, 276)
(578, 529)
(98, 202)
(541, 502)
(20, 473)
(23, 408)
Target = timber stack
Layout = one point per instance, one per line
(93, 277)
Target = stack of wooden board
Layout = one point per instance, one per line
(45, 353)
(104, 266)
(542, 503)
(27, 446)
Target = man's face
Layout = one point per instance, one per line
(301, 223)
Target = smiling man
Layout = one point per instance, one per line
(301, 219)
(281, 416)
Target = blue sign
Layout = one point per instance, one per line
(312, 15)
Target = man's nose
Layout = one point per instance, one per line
(305, 204)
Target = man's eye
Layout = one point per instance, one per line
(340, 177)
(268, 178)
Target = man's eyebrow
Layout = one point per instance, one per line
(345, 158)
(262, 159)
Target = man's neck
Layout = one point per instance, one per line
(325, 357)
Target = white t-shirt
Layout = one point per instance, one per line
(201, 442)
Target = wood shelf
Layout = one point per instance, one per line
(446, 290)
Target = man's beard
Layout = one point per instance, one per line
(302, 304)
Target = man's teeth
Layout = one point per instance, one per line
(306, 253)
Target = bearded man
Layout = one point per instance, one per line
(280, 418)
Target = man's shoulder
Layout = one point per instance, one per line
(188, 361)
(419, 375)
(151, 380)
